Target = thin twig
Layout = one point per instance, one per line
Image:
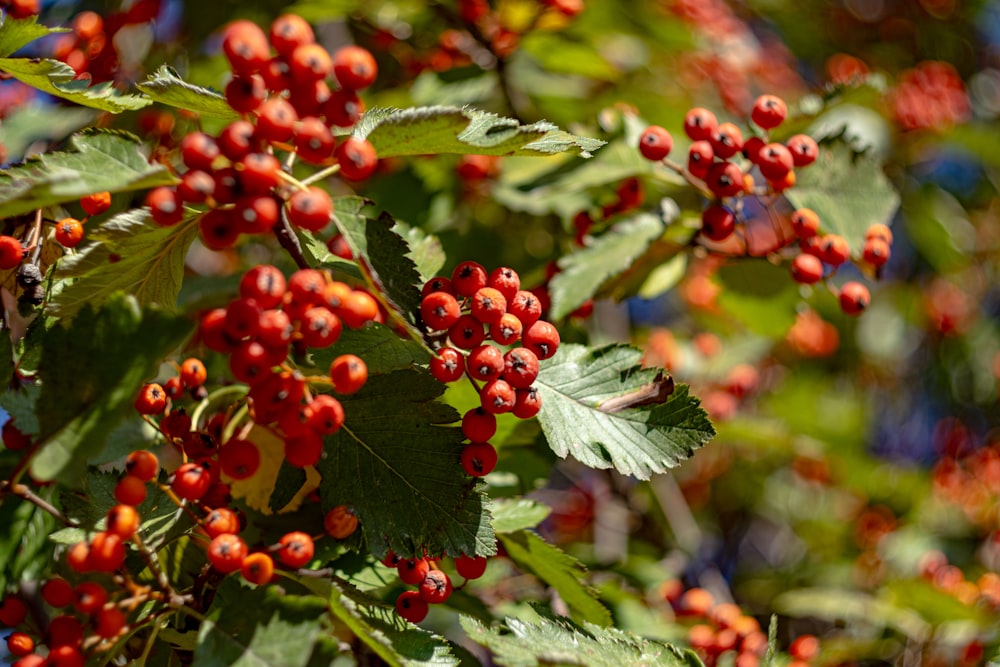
(290, 242)
(23, 492)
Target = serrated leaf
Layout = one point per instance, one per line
(131, 254)
(20, 405)
(15, 33)
(167, 87)
(443, 129)
(23, 539)
(400, 470)
(57, 78)
(96, 161)
(396, 646)
(559, 570)
(635, 441)
(425, 250)
(511, 515)
(381, 348)
(91, 372)
(272, 629)
(849, 191)
(584, 271)
(551, 641)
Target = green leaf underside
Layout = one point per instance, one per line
(97, 161)
(381, 348)
(132, 254)
(614, 252)
(272, 629)
(57, 78)
(397, 464)
(559, 641)
(635, 441)
(396, 646)
(850, 192)
(15, 33)
(167, 87)
(87, 384)
(442, 129)
(559, 570)
(511, 515)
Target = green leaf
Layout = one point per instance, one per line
(559, 641)
(394, 645)
(167, 87)
(559, 570)
(40, 122)
(271, 628)
(584, 271)
(23, 539)
(559, 55)
(425, 250)
(576, 385)
(760, 296)
(442, 129)
(97, 161)
(91, 372)
(290, 480)
(381, 348)
(855, 608)
(130, 253)
(511, 515)
(400, 470)
(848, 190)
(939, 227)
(57, 78)
(15, 33)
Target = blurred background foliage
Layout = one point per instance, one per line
(853, 486)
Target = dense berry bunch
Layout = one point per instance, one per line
(930, 96)
(280, 85)
(433, 584)
(471, 307)
(92, 47)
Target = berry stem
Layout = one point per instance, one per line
(289, 241)
(321, 174)
(214, 398)
(24, 493)
(693, 180)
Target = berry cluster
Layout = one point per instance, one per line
(287, 106)
(433, 584)
(470, 307)
(930, 96)
(711, 167)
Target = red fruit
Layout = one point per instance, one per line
(507, 330)
(357, 159)
(226, 552)
(724, 179)
(358, 308)
(505, 280)
(58, 592)
(198, 151)
(258, 568)
(807, 269)
(413, 570)
(805, 222)
(143, 465)
(151, 399)
(854, 298)
(12, 612)
(265, 284)
(62, 656)
(879, 231)
(296, 549)
(314, 142)
(700, 156)
(471, 567)
(276, 119)
(218, 229)
(109, 622)
(246, 47)
(436, 587)
(497, 396)
(348, 373)
(834, 250)
(308, 63)
(466, 333)
(65, 631)
(69, 232)
(258, 172)
(191, 481)
(727, 141)
(488, 305)
(107, 552)
(96, 203)
(326, 415)
(237, 140)
(20, 644)
(655, 143)
(699, 124)
(805, 647)
(89, 596)
(193, 373)
(876, 251)
(196, 186)
(527, 403)
(448, 365)
(123, 521)
(13, 438)
(775, 162)
(768, 112)
(354, 67)
(526, 307)
(11, 252)
(520, 367)
(541, 338)
(440, 310)
(479, 459)
(245, 94)
(344, 108)
(411, 607)
(803, 149)
(751, 148)
(289, 31)
(478, 425)
(165, 206)
(717, 223)
(310, 209)
(485, 362)
(304, 449)
(468, 278)
(319, 327)
(239, 459)
(340, 522)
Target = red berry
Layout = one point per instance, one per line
(58, 592)
(700, 155)
(805, 222)
(326, 415)
(488, 305)
(506, 281)
(130, 490)
(655, 143)
(526, 307)
(265, 284)
(258, 172)
(237, 140)
(13, 438)
(296, 549)
(479, 459)
(12, 612)
(803, 149)
(123, 521)
(11, 252)
(96, 203)
(448, 365)
(349, 373)
(258, 568)
(485, 362)
(876, 251)
(527, 403)
(466, 333)
(854, 298)
(468, 278)
(109, 622)
(151, 399)
(340, 522)
(246, 47)
(768, 112)
(319, 327)
(436, 587)
(471, 567)
(478, 425)
(357, 159)
(717, 223)
(314, 142)
(413, 570)
(276, 119)
(724, 179)
(226, 552)
(411, 607)
(358, 308)
(308, 63)
(245, 94)
(310, 208)
(304, 449)
(775, 162)
(834, 249)
(727, 141)
(89, 596)
(879, 231)
(20, 644)
(541, 338)
(69, 232)
(520, 367)
(107, 552)
(198, 151)
(165, 206)
(440, 310)
(807, 269)
(191, 481)
(507, 330)
(193, 373)
(699, 124)
(143, 465)
(354, 67)
(239, 459)
(289, 31)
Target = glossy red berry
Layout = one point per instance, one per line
(69, 232)
(724, 179)
(12, 612)
(357, 159)
(879, 231)
(834, 249)
(439, 310)
(239, 459)
(768, 112)
(717, 223)
(314, 142)
(488, 305)
(326, 415)
(193, 373)
(289, 31)
(436, 587)
(258, 568)
(468, 278)
(123, 521)
(803, 149)
(479, 459)
(245, 94)
(308, 63)
(478, 425)
(143, 465)
(807, 269)
(526, 307)
(107, 552)
(699, 124)
(448, 365)
(541, 338)
(507, 330)
(57, 592)
(20, 644)
(220, 521)
(96, 203)
(165, 206)
(340, 522)
(854, 298)
(485, 362)
(805, 222)
(276, 119)
(246, 47)
(89, 596)
(296, 549)
(310, 208)
(527, 403)
(130, 490)
(226, 552)
(467, 332)
(199, 151)
(727, 141)
(520, 367)
(13, 438)
(349, 373)
(700, 155)
(411, 607)
(109, 622)
(876, 251)
(413, 570)
(265, 284)
(775, 161)
(11, 252)
(655, 143)
(470, 567)
(191, 481)
(505, 280)
(354, 67)
(151, 399)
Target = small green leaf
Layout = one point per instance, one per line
(442, 129)
(512, 515)
(848, 190)
(381, 348)
(576, 385)
(559, 641)
(400, 470)
(15, 33)
(131, 253)
(57, 78)
(167, 87)
(86, 388)
(584, 271)
(559, 570)
(272, 629)
(97, 161)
